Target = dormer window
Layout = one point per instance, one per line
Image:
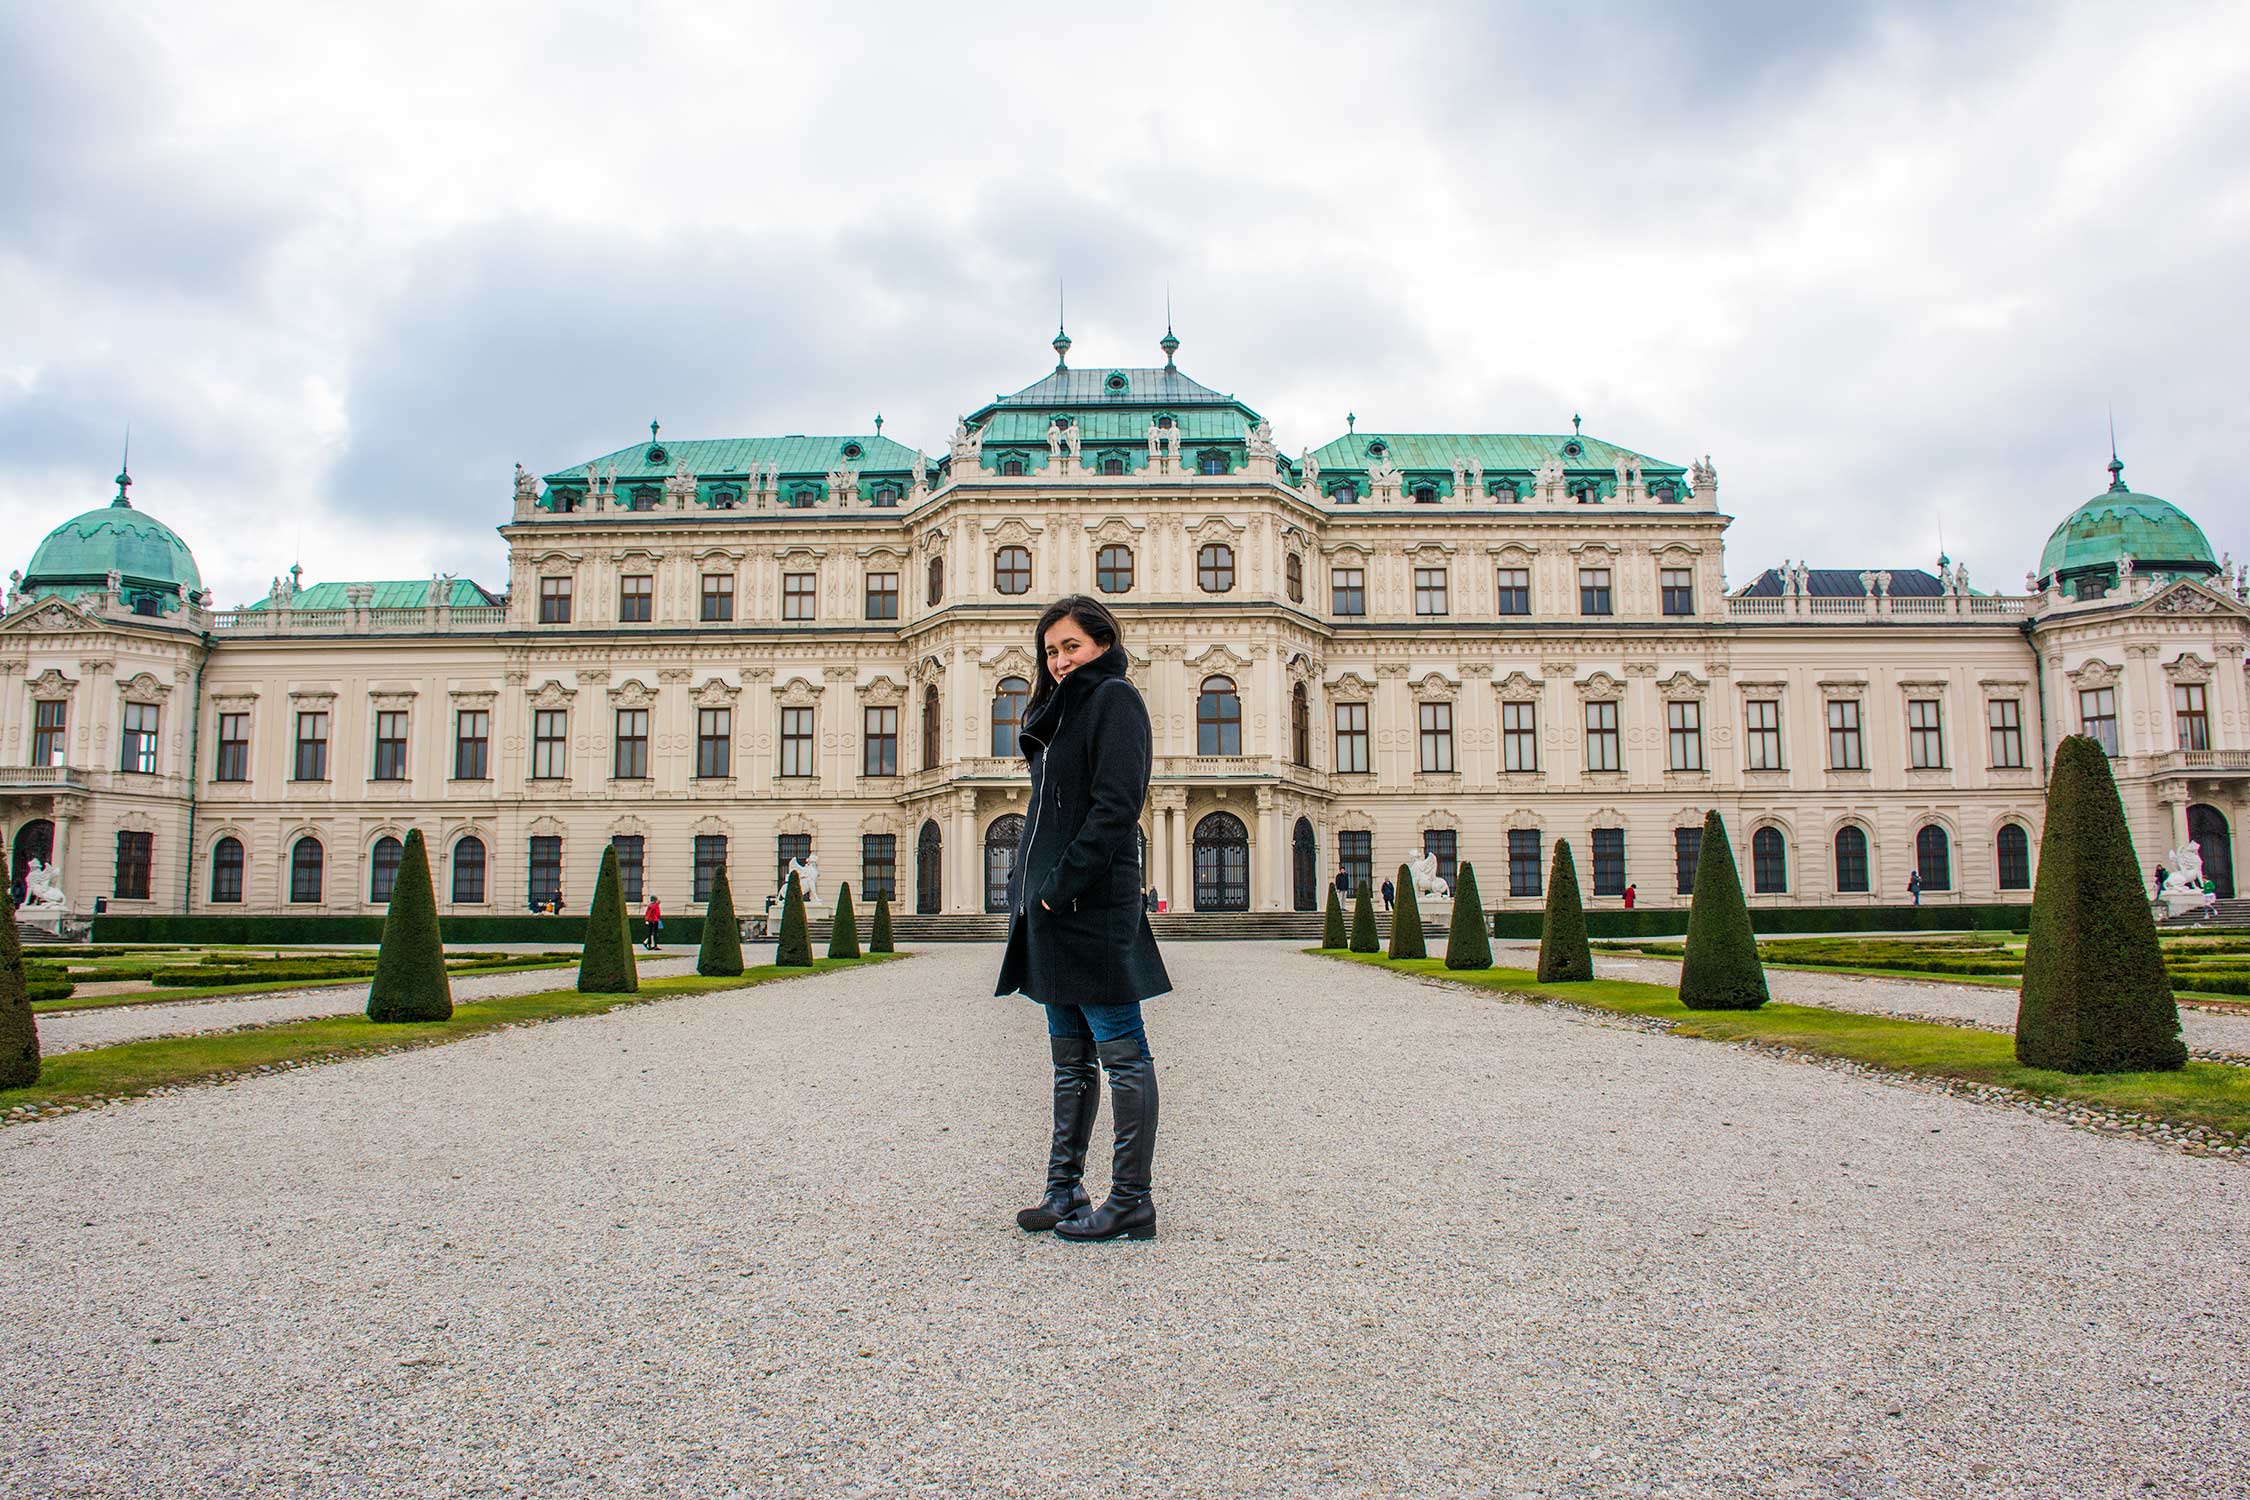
(1666, 492)
(657, 457)
(885, 494)
(1425, 494)
(645, 497)
(564, 500)
(1505, 492)
(1012, 465)
(1113, 465)
(1586, 492)
(1344, 492)
(803, 496)
(723, 498)
(1211, 462)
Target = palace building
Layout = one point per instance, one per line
(738, 651)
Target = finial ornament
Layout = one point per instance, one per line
(878, 424)
(1351, 421)
(124, 474)
(1574, 421)
(654, 427)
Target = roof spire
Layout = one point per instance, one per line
(1575, 419)
(124, 473)
(878, 424)
(1062, 339)
(2116, 464)
(1351, 421)
(654, 427)
(1170, 343)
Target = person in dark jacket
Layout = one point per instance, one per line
(1388, 893)
(1079, 940)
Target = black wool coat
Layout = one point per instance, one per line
(1089, 943)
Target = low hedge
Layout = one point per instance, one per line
(299, 931)
(49, 989)
(1671, 921)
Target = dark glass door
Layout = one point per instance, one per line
(1222, 864)
(929, 863)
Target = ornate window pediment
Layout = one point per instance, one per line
(1677, 552)
(1347, 554)
(1842, 686)
(312, 696)
(883, 690)
(711, 825)
(1431, 553)
(1215, 529)
(1350, 687)
(392, 699)
(1515, 554)
(709, 555)
(627, 554)
(2095, 674)
(1601, 688)
(557, 555)
(795, 822)
(2188, 667)
(472, 697)
(799, 552)
(1517, 685)
(1923, 686)
(1683, 685)
(1771, 686)
(546, 826)
(1521, 817)
(144, 686)
(1013, 530)
(1436, 685)
(632, 693)
(1011, 661)
(1605, 817)
(716, 692)
(552, 694)
(1114, 529)
(798, 693)
(52, 684)
(1592, 548)
(1354, 820)
(1217, 658)
(1440, 817)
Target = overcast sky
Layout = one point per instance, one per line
(1892, 265)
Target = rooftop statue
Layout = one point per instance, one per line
(1261, 441)
(679, 486)
(527, 487)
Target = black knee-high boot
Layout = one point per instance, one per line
(1078, 1098)
(1130, 1211)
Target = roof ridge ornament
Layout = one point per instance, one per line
(124, 473)
(1170, 343)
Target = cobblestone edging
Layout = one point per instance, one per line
(2194, 1140)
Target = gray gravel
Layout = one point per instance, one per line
(72, 1030)
(1416, 1241)
(1987, 1005)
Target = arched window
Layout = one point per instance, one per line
(1425, 494)
(226, 871)
(1007, 714)
(1000, 844)
(1218, 718)
(382, 869)
(1113, 569)
(304, 871)
(468, 871)
(2015, 857)
(937, 580)
(1851, 859)
(1933, 856)
(1769, 862)
(1300, 726)
(1293, 578)
(1012, 466)
(930, 732)
(1212, 462)
(1344, 492)
(1113, 466)
(1214, 567)
(1011, 570)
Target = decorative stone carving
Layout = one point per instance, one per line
(2188, 668)
(551, 694)
(1261, 444)
(679, 488)
(1518, 686)
(798, 693)
(1350, 687)
(1601, 688)
(715, 692)
(631, 693)
(882, 692)
(1437, 686)
(2181, 599)
(1683, 685)
(2095, 674)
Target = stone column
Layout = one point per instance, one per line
(1271, 880)
(1182, 895)
(967, 894)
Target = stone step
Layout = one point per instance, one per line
(1169, 927)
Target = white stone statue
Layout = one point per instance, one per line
(1422, 869)
(968, 442)
(2124, 572)
(1702, 478)
(441, 590)
(918, 478)
(1382, 471)
(1960, 578)
(2183, 880)
(679, 487)
(527, 486)
(1072, 437)
(1261, 441)
(2030, 581)
(41, 890)
(843, 485)
(1056, 429)
(807, 871)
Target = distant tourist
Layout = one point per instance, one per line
(1086, 736)
(1388, 892)
(1631, 896)
(2161, 872)
(1344, 884)
(1150, 902)
(1914, 887)
(654, 916)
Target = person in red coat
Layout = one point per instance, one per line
(654, 916)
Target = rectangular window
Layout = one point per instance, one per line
(632, 852)
(796, 742)
(1514, 596)
(636, 598)
(878, 866)
(49, 733)
(1678, 585)
(1602, 749)
(2005, 718)
(1593, 591)
(1429, 591)
(1609, 861)
(718, 596)
(1437, 736)
(472, 745)
(1351, 737)
(1347, 589)
(1524, 874)
(2191, 715)
(312, 747)
(234, 749)
(1843, 736)
(554, 601)
(1925, 734)
(1683, 735)
(1446, 845)
(135, 853)
(1687, 844)
(1355, 857)
(787, 847)
(882, 596)
(879, 741)
(630, 761)
(1519, 736)
(550, 742)
(546, 869)
(390, 745)
(714, 742)
(136, 749)
(1762, 734)
(796, 596)
(2097, 716)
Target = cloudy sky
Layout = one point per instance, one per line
(340, 266)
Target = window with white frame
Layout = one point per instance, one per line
(1761, 734)
(1519, 736)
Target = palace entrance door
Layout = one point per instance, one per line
(929, 866)
(1222, 864)
(2207, 830)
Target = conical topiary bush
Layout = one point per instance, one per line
(2095, 996)
(1332, 930)
(1365, 939)
(19, 1031)
(879, 930)
(721, 951)
(1564, 957)
(1406, 920)
(843, 931)
(1468, 945)
(410, 982)
(794, 948)
(1721, 970)
(605, 964)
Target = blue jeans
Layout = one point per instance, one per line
(1101, 1023)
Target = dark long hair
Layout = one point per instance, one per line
(1092, 616)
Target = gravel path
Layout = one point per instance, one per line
(1416, 1241)
(72, 1030)
(1986, 1005)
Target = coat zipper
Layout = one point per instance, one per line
(1031, 836)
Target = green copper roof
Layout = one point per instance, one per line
(1501, 451)
(722, 458)
(408, 593)
(1016, 429)
(2157, 533)
(1144, 386)
(83, 551)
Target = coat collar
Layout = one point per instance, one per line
(1040, 725)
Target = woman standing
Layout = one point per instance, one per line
(1078, 938)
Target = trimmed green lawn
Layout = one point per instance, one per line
(130, 1068)
(2213, 1095)
(154, 996)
